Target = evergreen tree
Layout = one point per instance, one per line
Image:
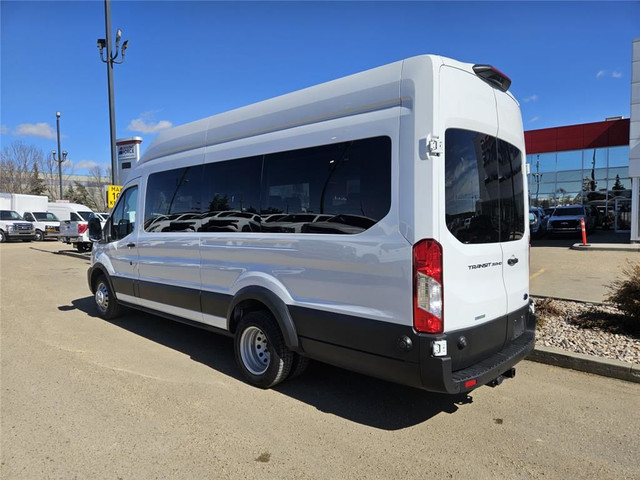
(618, 185)
(70, 194)
(81, 195)
(36, 183)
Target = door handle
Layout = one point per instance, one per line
(131, 245)
(512, 261)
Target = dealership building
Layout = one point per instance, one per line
(592, 164)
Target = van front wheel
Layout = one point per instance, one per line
(108, 307)
(260, 351)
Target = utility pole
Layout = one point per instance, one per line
(110, 60)
(62, 156)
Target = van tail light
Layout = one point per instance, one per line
(82, 228)
(428, 315)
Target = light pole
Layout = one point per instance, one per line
(538, 178)
(62, 156)
(110, 60)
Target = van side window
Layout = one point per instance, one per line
(483, 188)
(350, 181)
(123, 217)
(75, 217)
(345, 187)
(174, 200)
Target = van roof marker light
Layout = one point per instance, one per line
(493, 76)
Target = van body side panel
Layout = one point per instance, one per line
(418, 199)
(168, 261)
(362, 274)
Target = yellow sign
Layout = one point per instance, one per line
(113, 193)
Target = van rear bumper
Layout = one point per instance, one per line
(437, 373)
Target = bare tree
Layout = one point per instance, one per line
(99, 179)
(49, 169)
(18, 165)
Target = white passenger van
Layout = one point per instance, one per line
(418, 272)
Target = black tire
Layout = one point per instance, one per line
(299, 366)
(3, 237)
(106, 303)
(260, 351)
(39, 236)
(84, 247)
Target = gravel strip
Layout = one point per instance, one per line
(590, 329)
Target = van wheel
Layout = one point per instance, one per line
(39, 236)
(108, 307)
(299, 366)
(3, 238)
(261, 354)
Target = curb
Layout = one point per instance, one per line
(607, 247)
(585, 363)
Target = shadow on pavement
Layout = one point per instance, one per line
(68, 253)
(354, 397)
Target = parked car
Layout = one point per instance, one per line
(537, 222)
(566, 219)
(293, 222)
(13, 227)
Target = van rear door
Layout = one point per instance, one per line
(474, 289)
(515, 241)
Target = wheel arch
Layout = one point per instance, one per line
(94, 272)
(259, 298)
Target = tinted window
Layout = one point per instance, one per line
(46, 216)
(86, 216)
(571, 211)
(123, 218)
(10, 215)
(174, 200)
(483, 188)
(350, 178)
(348, 183)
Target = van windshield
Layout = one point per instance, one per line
(86, 216)
(568, 212)
(484, 188)
(45, 217)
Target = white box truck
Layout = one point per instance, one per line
(13, 223)
(34, 209)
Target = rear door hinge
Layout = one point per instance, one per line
(430, 147)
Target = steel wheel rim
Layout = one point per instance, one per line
(102, 297)
(254, 350)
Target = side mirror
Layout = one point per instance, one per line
(95, 229)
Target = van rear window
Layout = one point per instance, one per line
(484, 188)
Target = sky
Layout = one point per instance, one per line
(569, 62)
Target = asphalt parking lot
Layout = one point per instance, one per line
(558, 271)
(141, 397)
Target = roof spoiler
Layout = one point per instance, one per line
(493, 76)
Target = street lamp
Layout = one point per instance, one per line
(61, 157)
(110, 60)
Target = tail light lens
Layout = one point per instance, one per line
(428, 315)
(82, 228)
